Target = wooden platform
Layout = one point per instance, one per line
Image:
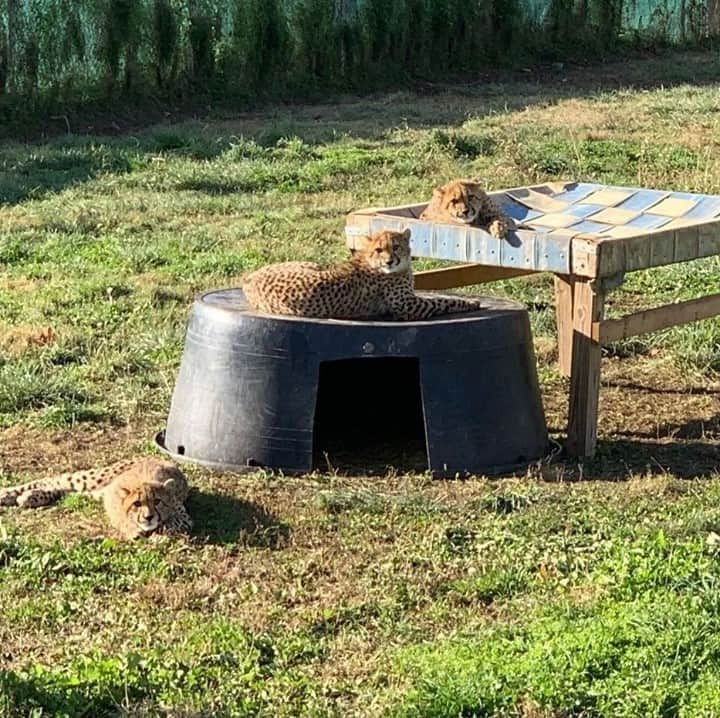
(589, 236)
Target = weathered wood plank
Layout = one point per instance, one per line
(588, 299)
(585, 256)
(613, 257)
(564, 321)
(603, 257)
(464, 276)
(638, 253)
(686, 244)
(652, 320)
(708, 240)
(662, 249)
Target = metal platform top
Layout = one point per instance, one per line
(568, 228)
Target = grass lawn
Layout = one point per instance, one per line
(579, 589)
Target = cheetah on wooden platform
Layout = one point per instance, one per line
(140, 496)
(377, 281)
(466, 202)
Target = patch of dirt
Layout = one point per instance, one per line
(582, 115)
(22, 284)
(654, 419)
(17, 219)
(17, 339)
(29, 451)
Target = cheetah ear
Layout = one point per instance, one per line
(124, 491)
(406, 234)
(364, 239)
(168, 483)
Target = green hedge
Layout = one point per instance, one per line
(54, 52)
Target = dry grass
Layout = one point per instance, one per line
(350, 594)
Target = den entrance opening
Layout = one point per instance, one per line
(369, 416)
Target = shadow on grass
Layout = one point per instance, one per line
(684, 391)
(32, 171)
(33, 175)
(223, 519)
(681, 432)
(215, 188)
(26, 696)
(27, 172)
(693, 430)
(619, 459)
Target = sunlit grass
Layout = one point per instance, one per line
(325, 595)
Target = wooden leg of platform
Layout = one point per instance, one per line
(588, 302)
(564, 321)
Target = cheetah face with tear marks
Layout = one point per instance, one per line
(388, 252)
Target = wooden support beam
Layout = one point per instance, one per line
(564, 320)
(652, 320)
(588, 300)
(464, 275)
(601, 257)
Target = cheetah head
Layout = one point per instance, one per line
(139, 501)
(139, 505)
(388, 252)
(461, 201)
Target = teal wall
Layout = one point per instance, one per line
(676, 20)
(55, 53)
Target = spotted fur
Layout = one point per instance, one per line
(466, 202)
(376, 282)
(140, 497)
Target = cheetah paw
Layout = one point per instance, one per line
(498, 228)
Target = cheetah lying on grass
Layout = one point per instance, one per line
(141, 496)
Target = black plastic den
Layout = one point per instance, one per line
(268, 391)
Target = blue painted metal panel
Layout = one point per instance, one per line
(421, 238)
(588, 227)
(706, 208)
(519, 254)
(577, 192)
(649, 221)
(450, 243)
(485, 249)
(518, 212)
(643, 199)
(584, 210)
(552, 251)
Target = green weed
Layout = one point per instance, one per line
(362, 596)
(222, 670)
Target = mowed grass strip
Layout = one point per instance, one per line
(338, 596)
